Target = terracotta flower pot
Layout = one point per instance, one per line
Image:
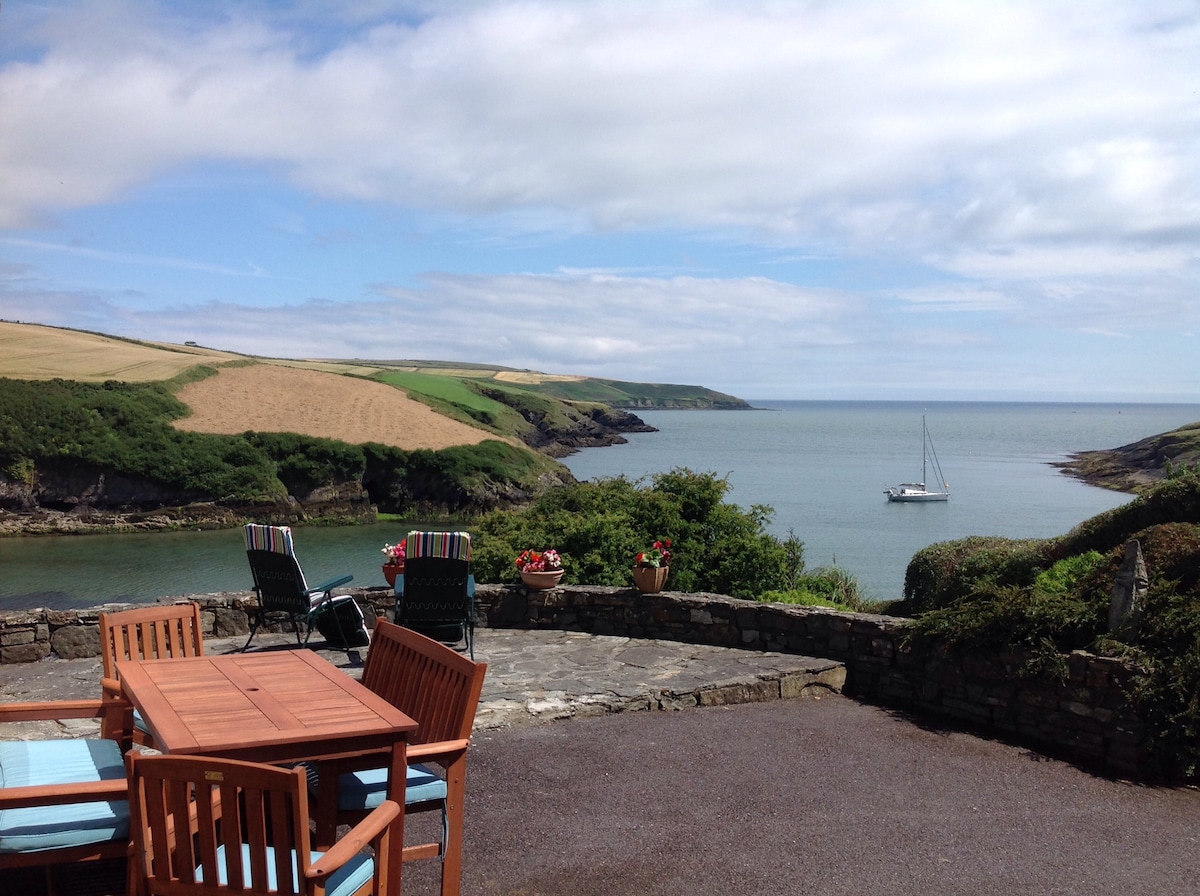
(650, 579)
(541, 580)
(390, 571)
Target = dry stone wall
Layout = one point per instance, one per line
(1080, 711)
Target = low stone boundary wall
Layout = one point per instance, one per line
(27, 636)
(1081, 714)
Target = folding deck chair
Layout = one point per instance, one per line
(436, 596)
(281, 588)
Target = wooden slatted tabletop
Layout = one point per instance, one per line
(275, 707)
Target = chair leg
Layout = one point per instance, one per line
(452, 836)
(253, 630)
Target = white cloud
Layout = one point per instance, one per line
(979, 179)
(882, 121)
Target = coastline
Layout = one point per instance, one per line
(1135, 467)
(1129, 469)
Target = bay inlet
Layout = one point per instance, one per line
(822, 466)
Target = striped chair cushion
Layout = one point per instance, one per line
(276, 539)
(450, 545)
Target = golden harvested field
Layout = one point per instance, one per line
(521, 376)
(31, 352)
(275, 398)
(295, 396)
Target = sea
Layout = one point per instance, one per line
(821, 466)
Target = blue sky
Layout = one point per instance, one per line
(826, 200)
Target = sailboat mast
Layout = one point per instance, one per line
(924, 453)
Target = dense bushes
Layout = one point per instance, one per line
(65, 431)
(599, 527)
(995, 596)
(1167, 687)
(124, 428)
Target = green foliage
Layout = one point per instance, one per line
(1181, 470)
(476, 465)
(1043, 599)
(1001, 619)
(1066, 575)
(946, 572)
(126, 429)
(1174, 500)
(823, 587)
(598, 527)
(1166, 688)
(304, 463)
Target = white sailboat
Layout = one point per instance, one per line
(914, 492)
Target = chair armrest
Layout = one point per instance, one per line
(114, 712)
(56, 709)
(326, 587)
(416, 752)
(64, 794)
(353, 842)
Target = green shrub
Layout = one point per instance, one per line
(1065, 575)
(1174, 500)
(998, 619)
(598, 527)
(304, 463)
(1166, 688)
(823, 587)
(943, 573)
(989, 596)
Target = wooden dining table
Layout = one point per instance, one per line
(275, 707)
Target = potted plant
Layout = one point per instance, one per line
(650, 567)
(393, 561)
(540, 569)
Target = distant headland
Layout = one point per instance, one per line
(107, 434)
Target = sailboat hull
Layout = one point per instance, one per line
(914, 494)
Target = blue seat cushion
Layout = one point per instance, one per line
(346, 880)
(366, 790)
(39, 762)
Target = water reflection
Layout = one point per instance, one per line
(73, 571)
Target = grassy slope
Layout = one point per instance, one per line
(32, 351)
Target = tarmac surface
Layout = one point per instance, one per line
(573, 791)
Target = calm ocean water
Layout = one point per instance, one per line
(822, 466)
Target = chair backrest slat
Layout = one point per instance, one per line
(150, 633)
(428, 681)
(213, 814)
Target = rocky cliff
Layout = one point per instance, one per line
(1138, 465)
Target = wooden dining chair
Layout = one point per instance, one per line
(439, 688)
(203, 825)
(146, 633)
(62, 800)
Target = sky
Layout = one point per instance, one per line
(833, 199)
